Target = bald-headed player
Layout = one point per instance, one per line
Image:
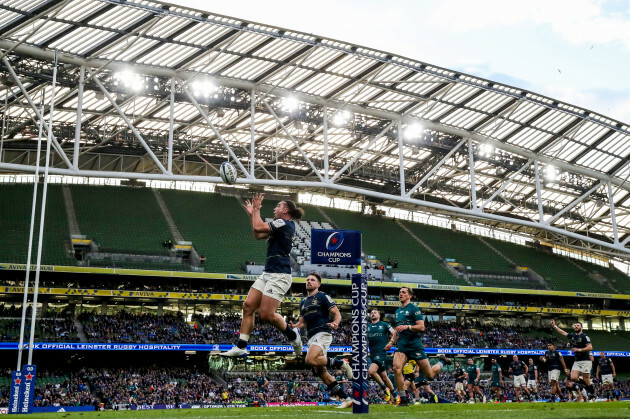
(409, 325)
(518, 371)
(378, 335)
(582, 348)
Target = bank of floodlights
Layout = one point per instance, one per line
(205, 88)
(341, 118)
(130, 81)
(413, 131)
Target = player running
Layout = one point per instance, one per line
(532, 378)
(315, 312)
(582, 348)
(409, 374)
(497, 380)
(263, 386)
(460, 376)
(409, 325)
(555, 364)
(473, 373)
(518, 371)
(377, 334)
(606, 374)
(421, 382)
(267, 292)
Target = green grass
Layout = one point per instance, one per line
(468, 411)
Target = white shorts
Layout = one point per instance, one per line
(532, 384)
(554, 375)
(582, 366)
(274, 285)
(519, 380)
(459, 386)
(607, 379)
(321, 339)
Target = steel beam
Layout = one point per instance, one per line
(58, 148)
(306, 98)
(361, 152)
(216, 131)
(611, 201)
(505, 184)
(77, 128)
(573, 203)
(295, 143)
(471, 167)
(129, 123)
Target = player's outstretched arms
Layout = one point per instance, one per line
(555, 327)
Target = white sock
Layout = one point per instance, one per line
(244, 337)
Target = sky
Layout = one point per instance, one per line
(575, 51)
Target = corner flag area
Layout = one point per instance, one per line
(470, 411)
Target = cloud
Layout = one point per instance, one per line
(577, 21)
(613, 104)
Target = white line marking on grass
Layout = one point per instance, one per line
(333, 411)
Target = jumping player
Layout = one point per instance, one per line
(582, 349)
(267, 292)
(409, 325)
(378, 333)
(555, 364)
(497, 380)
(315, 312)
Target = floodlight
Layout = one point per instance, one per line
(203, 87)
(290, 103)
(551, 172)
(412, 131)
(340, 118)
(130, 80)
(486, 149)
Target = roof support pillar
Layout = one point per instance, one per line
(471, 166)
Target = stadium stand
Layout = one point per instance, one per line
(15, 221)
(140, 229)
(460, 247)
(218, 228)
(558, 272)
(121, 219)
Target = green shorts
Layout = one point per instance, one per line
(495, 384)
(416, 354)
(473, 382)
(378, 359)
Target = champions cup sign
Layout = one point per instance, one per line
(360, 374)
(335, 247)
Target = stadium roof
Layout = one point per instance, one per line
(549, 166)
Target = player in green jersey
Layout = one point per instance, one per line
(497, 380)
(473, 381)
(263, 386)
(378, 333)
(409, 325)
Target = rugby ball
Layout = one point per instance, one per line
(228, 173)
